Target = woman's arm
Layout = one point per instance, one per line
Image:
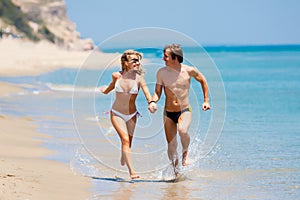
(145, 88)
(111, 86)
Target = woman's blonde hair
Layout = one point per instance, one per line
(124, 58)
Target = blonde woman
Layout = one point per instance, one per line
(124, 114)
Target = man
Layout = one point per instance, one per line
(175, 80)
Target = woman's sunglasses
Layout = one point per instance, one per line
(134, 60)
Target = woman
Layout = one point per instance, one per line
(124, 113)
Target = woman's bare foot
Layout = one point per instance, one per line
(185, 158)
(134, 176)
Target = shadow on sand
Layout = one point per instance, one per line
(119, 179)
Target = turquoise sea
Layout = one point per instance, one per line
(246, 147)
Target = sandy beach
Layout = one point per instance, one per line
(24, 173)
(20, 58)
(254, 157)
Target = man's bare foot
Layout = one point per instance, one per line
(185, 158)
(134, 176)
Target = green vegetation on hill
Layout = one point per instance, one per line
(13, 15)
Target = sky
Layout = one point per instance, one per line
(208, 22)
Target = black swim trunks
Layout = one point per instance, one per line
(175, 115)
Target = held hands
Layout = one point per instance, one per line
(152, 107)
(205, 106)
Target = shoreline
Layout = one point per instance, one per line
(25, 173)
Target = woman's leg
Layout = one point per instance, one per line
(131, 127)
(125, 131)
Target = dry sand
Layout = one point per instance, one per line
(26, 58)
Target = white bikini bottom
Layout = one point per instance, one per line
(125, 117)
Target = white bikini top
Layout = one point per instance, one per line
(134, 89)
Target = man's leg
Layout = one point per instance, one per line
(184, 123)
(171, 131)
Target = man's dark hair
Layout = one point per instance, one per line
(176, 51)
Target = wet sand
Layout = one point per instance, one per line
(24, 172)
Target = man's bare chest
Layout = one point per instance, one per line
(181, 81)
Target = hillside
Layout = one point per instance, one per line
(38, 20)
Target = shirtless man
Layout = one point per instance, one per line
(175, 80)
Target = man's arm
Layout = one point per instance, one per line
(157, 93)
(202, 80)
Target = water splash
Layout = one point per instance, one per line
(82, 163)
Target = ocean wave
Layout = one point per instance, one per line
(72, 88)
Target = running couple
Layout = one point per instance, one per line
(174, 79)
